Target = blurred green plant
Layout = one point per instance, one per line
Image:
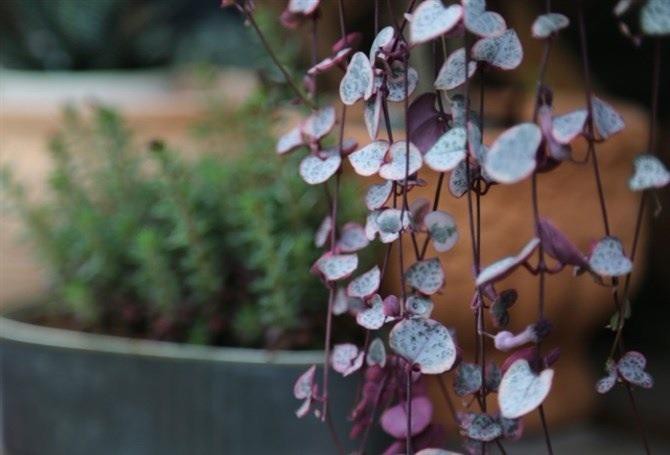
(209, 250)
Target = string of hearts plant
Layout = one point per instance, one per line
(403, 345)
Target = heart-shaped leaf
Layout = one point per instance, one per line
(319, 123)
(395, 82)
(305, 7)
(452, 73)
(394, 419)
(432, 19)
(392, 221)
(372, 115)
(512, 155)
(631, 368)
(315, 170)
(481, 427)
(382, 40)
(458, 180)
(290, 141)
(448, 151)
(373, 317)
(346, 358)
(502, 268)
(399, 167)
(605, 119)
(557, 245)
(481, 22)
(501, 305)
(521, 390)
(606, 383)
(442, 228)
(655, 18)
(371, 227)
(504, 51)
(358, 81)
(468, 379)
(323, 231)
(304, 384)
(650, 172)
(340, 301)
(352, 238)
(336, 266)
(607, 258)
(512, 428)
(567, 126)
(376, 353)
(425, 276)
(367, 160)
(419, 306)
(425, 343)
(547, 24)
(365, 285)
(378, 194)
(419, 208)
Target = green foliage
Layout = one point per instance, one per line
(211, 250)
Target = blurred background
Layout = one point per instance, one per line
(141, 195)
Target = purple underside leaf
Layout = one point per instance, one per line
(432, 19)
(365, 285)
(607, 258)
(397, 168)
(358, 81)
(650, 172)
(481, 22)
(425, 343)
(421, 110)
(521, 390)
(394, 419)
(352, 40)
(352, 238)
(503, 52)
(548, 24)
(367, 160)
(502, 268)
(442, 228)
(425, 276)
(512, 156)
(557, 245)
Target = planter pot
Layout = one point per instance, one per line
(74, 393)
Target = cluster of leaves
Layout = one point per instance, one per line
(444, 135)
(150, 244)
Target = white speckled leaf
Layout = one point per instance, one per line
(448, 151)
(425, 343)
(484, 23)
(315, 170)
(376, 353)
(547, 24)
(367, 160)
(425, 276)
(372, 318)
(392, 221)
(323, 231)
(605, 119)
(365, 285)
(340, 301)
(396, 82)
(504, 51)
(458, 180)
(567, 126)
(352, 238)
(303, 6)
(303, 385)
(395, 168)
(607, 258)
(521, 390)
(383, 39)
(631, 368)
(452, 73)
(655, 18)
(372, 115)
(346, 358)
(358, 80)
(337, 266)
(650, 172)
(442, 228)
(319, 123)
(419, 306)
(371, 227)
(289, 141)
(378, 194)
(432, 19)
(500, 269)
(468, 379)
(512, 155)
